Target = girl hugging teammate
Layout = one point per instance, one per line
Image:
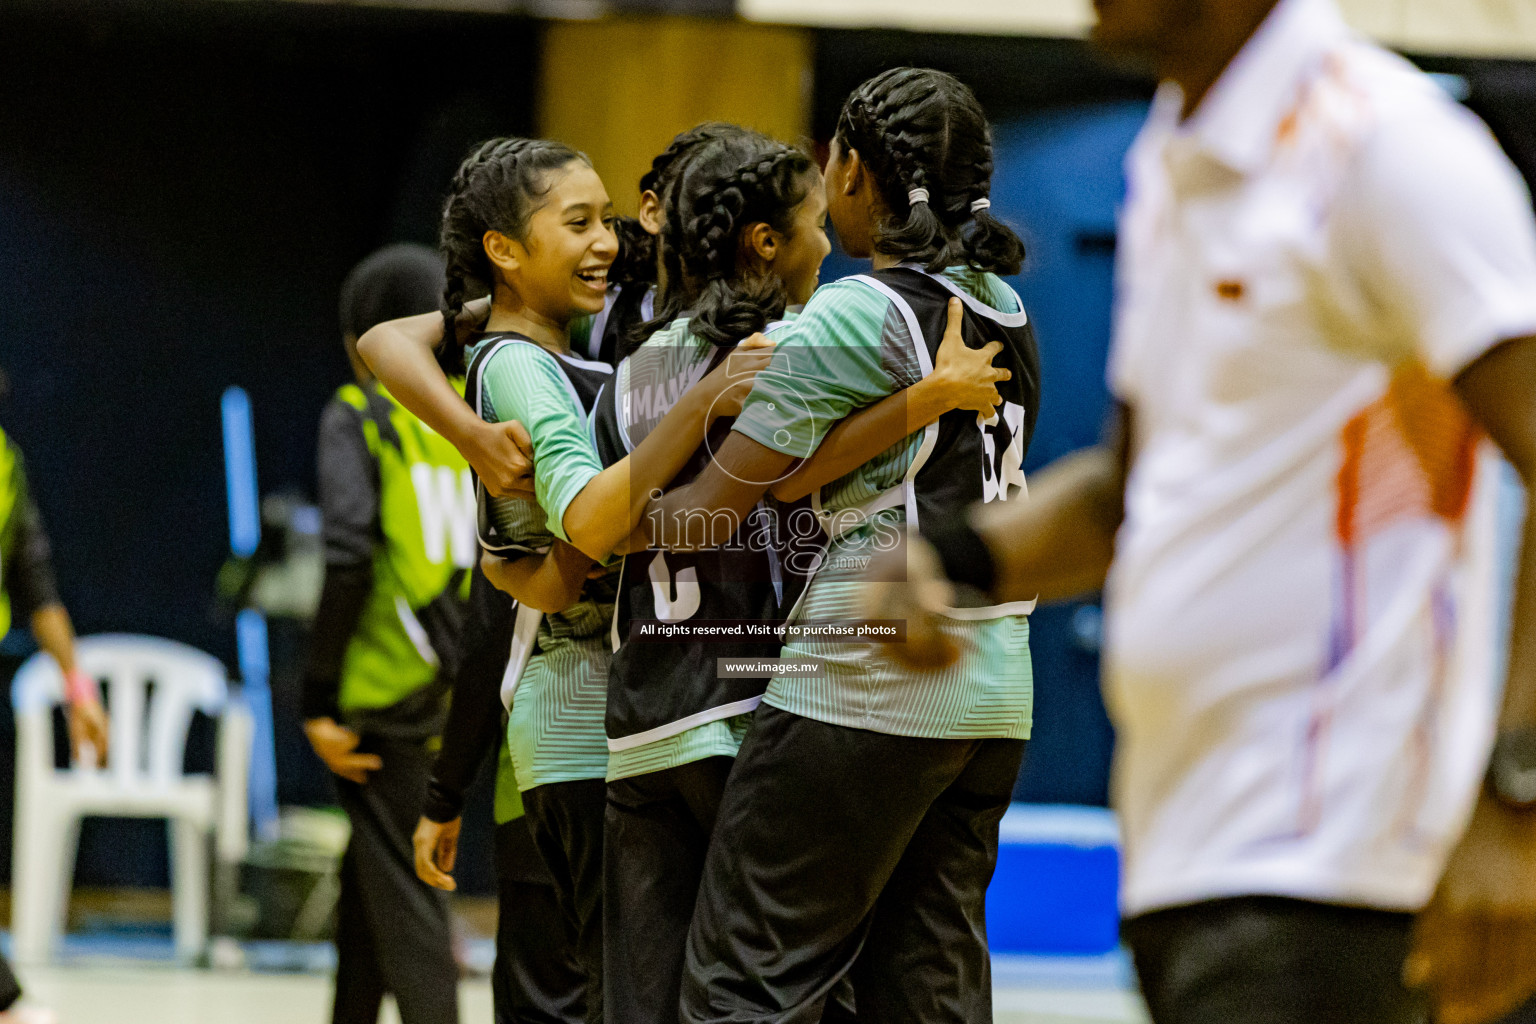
(531, 221)
(857, 835)
(741, 240)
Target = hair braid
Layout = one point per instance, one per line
(729, 185)
(658, 176)
(918, 128)
(660, 261)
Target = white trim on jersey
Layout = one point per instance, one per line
(975, 305)
(600, 322)
(925, 363)
(682, 725)
(585, 364)
(525, 634)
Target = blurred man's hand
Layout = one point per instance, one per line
(907, 583)
(437, 848)
(1474, 947)
(337, 747)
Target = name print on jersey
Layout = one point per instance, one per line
(446, 500)
(648, 403)
(1002, 439)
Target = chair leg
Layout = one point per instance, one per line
(41, 880)
(69, 852)
(189, 881)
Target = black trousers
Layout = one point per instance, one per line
(566, 821)
(840, 852)
(656, 834)
(537, 979)
(10, 989)
(1271, 960)
(392, 930)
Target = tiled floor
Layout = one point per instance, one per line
(118, 970)
(164, 995)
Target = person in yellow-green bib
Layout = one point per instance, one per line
(398, 511)
(30, 594)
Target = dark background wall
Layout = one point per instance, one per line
(182, 189)
(184, 185)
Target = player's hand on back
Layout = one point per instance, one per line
(437, 848)
(502, 457)
(964, 377)
(907, 584)
(1474, 946)
(336, 745)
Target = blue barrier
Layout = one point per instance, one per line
(1056, 888)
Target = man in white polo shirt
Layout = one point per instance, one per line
(1326, 308)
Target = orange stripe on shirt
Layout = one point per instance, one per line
(1407, 455)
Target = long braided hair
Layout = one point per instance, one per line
(638, 248)
(498, 187)
(722, 186)
(916, 128)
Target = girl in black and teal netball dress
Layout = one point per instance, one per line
(530, 221)
(859, 829)
(535, 976)
(742, 240)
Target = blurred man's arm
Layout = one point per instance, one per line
(1057, 544)
(1435, 225)
(1500, 391)
(1475, 947)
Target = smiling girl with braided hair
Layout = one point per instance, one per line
(534, 967)
(530, 221)
(859, 830)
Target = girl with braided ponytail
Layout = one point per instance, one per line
(529, 222)
(742, 239)
(857, 835)
(536, 972)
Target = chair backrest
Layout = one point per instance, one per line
(152, 686)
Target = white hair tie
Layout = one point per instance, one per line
(917, 195)
(980, 204)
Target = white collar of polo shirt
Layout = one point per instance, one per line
(1239, 119)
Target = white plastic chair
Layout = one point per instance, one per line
(152, 687)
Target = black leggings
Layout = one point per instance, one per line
(566, 821)
(392, 928)
(537, 979)
(845, 853)
(657, 832)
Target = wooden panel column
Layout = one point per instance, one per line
(619, 88)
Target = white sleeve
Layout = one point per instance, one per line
(1438, 224)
